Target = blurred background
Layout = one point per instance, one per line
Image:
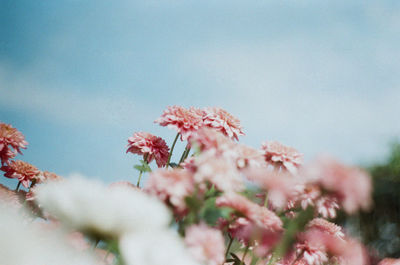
(77, 78)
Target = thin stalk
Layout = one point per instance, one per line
(141, 171)
(19, 184)
(244, 255)
(272, 260)
(184, 154)
(266, 200)
(172, 149)
(229, 246)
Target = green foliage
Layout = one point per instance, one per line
(143, 166)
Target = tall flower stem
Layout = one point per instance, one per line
(266, 200)
(19, 184)
(229, 246)
(141, 171)
(184, 154)
(172, 149)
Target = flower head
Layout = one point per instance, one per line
(281, 156)
(172, 187)
(184, 121)
(11, 142)
(150, 146)
(223, 121)
(22, 171)
(206, 244)
(351, 186)
(389, 261)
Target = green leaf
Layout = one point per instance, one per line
(143, 166)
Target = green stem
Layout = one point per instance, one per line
(266, 200)
(272, 260)
(172, 149)
(229, 246)
(141, 171)
(19, 184)
(244, 255)
(184, 154)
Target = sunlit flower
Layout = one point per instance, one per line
(163, 247)
(92, 207)
(206, 244)
(38, 246)
(150, 146)
(351, 186)
(184, 121)
(11, 142)
(171, 186)
(223, 121)
(281, 156)
(326, 206)
(22, 171)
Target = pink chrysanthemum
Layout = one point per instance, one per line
(184, 121)
(206, 244)
(172, 187)
(248, 157)
(218, 170)
(11, 142)
(257, 214)
(150, 146)
(208, 139)
(351, 186)
(22, 171)
(311, 255)
(281, 156)
(325, 227)
(326, 206)
(223, 121)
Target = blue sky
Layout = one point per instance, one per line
(79, 77)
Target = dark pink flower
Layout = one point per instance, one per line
(184, 121)
(281, 156)
(22, 171)
(11, 142)
(206, 244)
(150, 146)
(223, 121)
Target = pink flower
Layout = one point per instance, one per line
(218, 170)
(206, 244)
(11, 142)
(311, 255)
(281, 156)
(327, 206)
(389, 261)
(22, 171)
(172, 187)
(124, 184)
(258, 226)
(184, 121)
(248, 157)
(209, 139)
(325, 227)
(351, 186)
(150, 146)
(223, 121)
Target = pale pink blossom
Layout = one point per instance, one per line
(325, 227)
(351, 186)
(150, 146)
(209, 139)
(326, 206)
(218, 170)
(281, 156)
(389, 261)
(172, 187)
(22, 171)
(307, 195)
(248, 157)
(223, 121)
(123, 184)
(184, 121)
(311, 255)
(11, 142)
(206, 244)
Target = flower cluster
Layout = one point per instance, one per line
(220, 203)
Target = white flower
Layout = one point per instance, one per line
(92, 207)
(162, 248)
(23, 243)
